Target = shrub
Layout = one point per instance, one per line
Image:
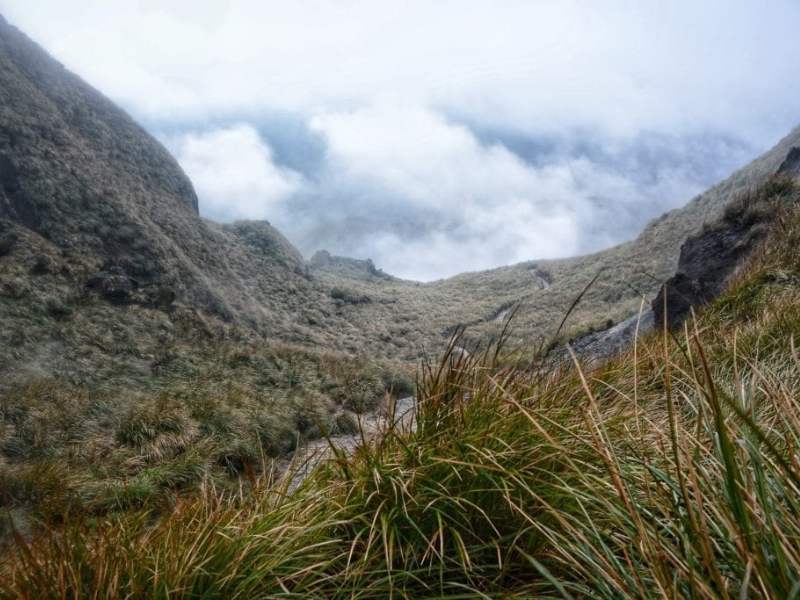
(237, 458)
(142, 425)
(345, 424)
(57, 308)
(346, 296)
(275, 434)
(7, 243)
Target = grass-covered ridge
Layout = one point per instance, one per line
(670, 471)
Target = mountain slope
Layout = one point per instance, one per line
(668, 471)
(147, 353)
(626, 275)
(105, 259)
(107, 269)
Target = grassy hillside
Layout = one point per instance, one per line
(107, 270)
(669, 471)
(409, 315)
(235, 410)
(156, 369)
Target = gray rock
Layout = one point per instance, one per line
(354, 267)
(709, 258)
(791, 166)
(113, 284)
(602, 345)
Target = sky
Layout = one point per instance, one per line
(437, 136)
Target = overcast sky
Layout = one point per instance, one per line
(436, 137)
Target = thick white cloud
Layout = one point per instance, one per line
(415, 154)
(448, 135)
(617, 64)
(425, 197)
(422, 195)
(477, 206)
(233, 172)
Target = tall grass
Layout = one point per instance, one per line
(670, 471)
(69, 448)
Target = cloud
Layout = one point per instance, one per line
(437, 137)
(612, 64)
(469, 205)
(426, 196)
(233, 172)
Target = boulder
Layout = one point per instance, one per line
(707, 260)
(602, 345)
(352, 267)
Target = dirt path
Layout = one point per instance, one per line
(309, 455)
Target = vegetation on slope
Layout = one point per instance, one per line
(669, 471)
(105, 263)
(221, 416)
(406, 315)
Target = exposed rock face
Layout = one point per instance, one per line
(709, 258)
(791, 166)
(706, 262)
(602, 345)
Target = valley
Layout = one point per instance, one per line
(178, 372)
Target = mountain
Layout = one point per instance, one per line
(109, 272)
(106, 261)
(627, 275)
(669, 470)
(157, 370)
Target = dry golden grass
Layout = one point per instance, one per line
(669, 471)
(79, 449)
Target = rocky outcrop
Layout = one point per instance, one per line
(709, 258)
(706, 262)
(353, 267)
(602, 345)
(791, 166)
